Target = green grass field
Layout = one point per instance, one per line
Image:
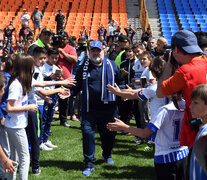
(66, 161)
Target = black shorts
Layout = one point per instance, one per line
(172, 171)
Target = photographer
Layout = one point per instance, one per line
(67, 58)
(189, 56)
(130, 32)
(117, 33)
(81, 52)
(8, 30)
(4, 50)
(8, 45)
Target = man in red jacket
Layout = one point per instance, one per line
(192, 72)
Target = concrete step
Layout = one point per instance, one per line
(153, 15)
(132, 8)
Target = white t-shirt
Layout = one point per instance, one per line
(39, 78)
(20, 119)
(111, 28)
(155, 103)
(147, 73)
(47, 70)
(168, 123)
(138, 70)
(25, 18)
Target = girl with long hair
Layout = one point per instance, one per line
(17, 106)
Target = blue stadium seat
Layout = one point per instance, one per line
(198, 16)
(195, 29)
(166, 33)
(163, 16)
(181, 16)
(172, 20)
(174, 23)
(191, 20)
(190, 16)
(193, 24)
(166, 29)
(200, 21)
(163, 20)
(204, 29)
(165, 24)
(174, 28)
(183, 20)
(185, 27)
(204, 16)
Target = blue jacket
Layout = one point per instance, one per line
(95, 84)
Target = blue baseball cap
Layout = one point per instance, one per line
(96, 44)
(187, 41)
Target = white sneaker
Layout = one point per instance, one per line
(50, 145)
(43, 147)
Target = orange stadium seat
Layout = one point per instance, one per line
(88, 13)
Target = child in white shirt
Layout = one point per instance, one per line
(17, 107)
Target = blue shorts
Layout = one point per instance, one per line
(37, 24)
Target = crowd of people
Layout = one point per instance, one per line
(109, 81)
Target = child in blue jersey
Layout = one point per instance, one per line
(155, 68)
(170, 157)
(198, 107)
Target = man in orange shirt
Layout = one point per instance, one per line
(192, 72)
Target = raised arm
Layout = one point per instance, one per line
(165, 75)
(121, 126)
(60, 90)
(125, 93)
(67, 82)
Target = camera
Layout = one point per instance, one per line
(195, 124)
(82, 47)
(56, 38)
(172, 58)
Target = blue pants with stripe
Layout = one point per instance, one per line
(48, 112)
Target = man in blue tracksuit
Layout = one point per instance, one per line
(98, 105)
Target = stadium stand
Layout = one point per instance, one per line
(78, 13)
(167, 19)
(182, 14)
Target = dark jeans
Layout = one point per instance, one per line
(172, 171)
(32, 133)
(48, 112)
(63, 105)
(89, 121)
(144, 115)
(126, 108)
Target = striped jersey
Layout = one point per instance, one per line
(167, 124)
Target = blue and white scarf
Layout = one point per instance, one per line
(107, 78)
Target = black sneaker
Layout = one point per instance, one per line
(36, 171)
